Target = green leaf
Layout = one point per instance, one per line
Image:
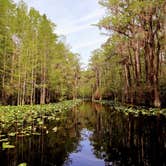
(6, 145)
(22, 164)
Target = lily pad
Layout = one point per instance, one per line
(22, 164)
(55, 129)
(12, 134)
(4, 140)
(6, 145)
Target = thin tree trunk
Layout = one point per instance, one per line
(137, 64)
(19, 82)
(4, 75)
(23, 91)
(18, 92)
(32, 87)
(43, 88)
(157, 102)
(128, 82)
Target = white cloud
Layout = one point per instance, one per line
(78, 25)
(68, 29)
(88, 44)
(93, 15)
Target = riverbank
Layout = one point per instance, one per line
(132, 109)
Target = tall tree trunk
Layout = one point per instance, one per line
(43, 88)
(146, 61)
(157, 102)
(75, 86)
(32, 87)
(154, 64)
(137, 64)
(12, 65)
(19, 82)
(23, 91)
(97, 93)
(128, 82)
(4, 74)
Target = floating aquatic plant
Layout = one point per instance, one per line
(134, 110)
(30, 119)
(22, 164)
(6, 145)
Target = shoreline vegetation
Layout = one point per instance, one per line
(30, 120)
(25, 120)
(134, 110)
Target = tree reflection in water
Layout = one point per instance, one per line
(127, 140)
(47, 149)
(93, 134)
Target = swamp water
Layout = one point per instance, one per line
(92, 135)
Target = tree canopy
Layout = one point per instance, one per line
(130, 66)
(35, 66)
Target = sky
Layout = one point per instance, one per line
(74, 20)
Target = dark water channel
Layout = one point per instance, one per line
(92, 135)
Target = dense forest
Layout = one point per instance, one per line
(130, 67)
(36, 66)
(55, 111)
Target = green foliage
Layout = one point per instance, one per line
(35, 66)
(133, 110)
(22, 164)
(134, 52)
(26, 120)
(6, 145)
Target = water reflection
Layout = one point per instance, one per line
(124, 140)
(48, 149)
(85, 156)
(93, 135)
